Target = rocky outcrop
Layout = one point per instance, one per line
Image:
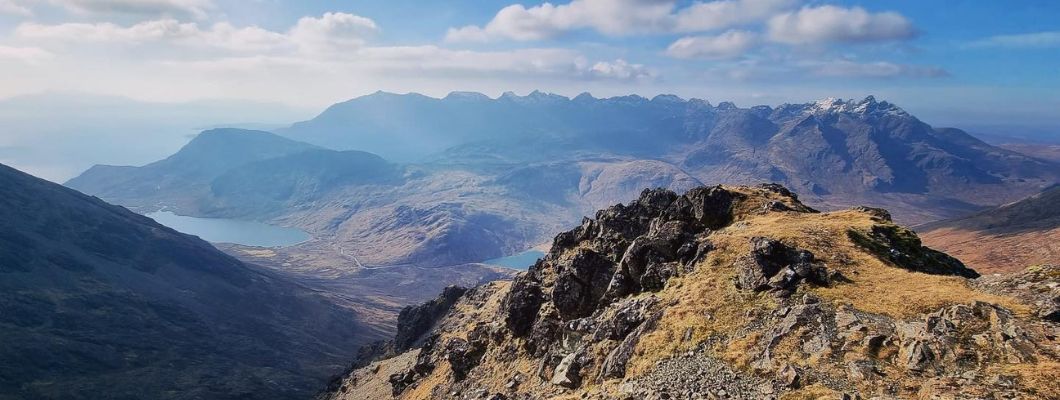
(413, 325)
(775, 266)
(738, 293)
(415, 321)
(902, 247)
(1037, 286)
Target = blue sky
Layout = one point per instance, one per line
(964, 63)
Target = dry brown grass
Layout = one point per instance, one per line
(878, 286)
(707, 302)
(990, 253)
(1042, 379)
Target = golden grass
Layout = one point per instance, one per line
(1042, 379)
(707, 302)
(878, 286)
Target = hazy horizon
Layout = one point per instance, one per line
(315, 53)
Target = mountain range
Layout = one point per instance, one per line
(404, 195)
(99, 302)
(491, 177)
(837, 153)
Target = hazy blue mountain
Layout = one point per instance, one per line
(261, 187)
(412, 126)
(58, 135)
(838, 152)
(99, 302)
(189, 172)
(497, 176)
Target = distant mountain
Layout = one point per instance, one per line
(1003, 239)
(58, 135)
(837, 153)
(99, 302)
(497, 176)
(260, 187)
(187, 173)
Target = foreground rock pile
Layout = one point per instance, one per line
(727, 292)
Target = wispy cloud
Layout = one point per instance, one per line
(331, 43)
(877, 69)
(30, 55)
(12, 7)
(146, 8)
(1034, 40)
(728, 45)
(771, 70)
(328, 32)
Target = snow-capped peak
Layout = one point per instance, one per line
(867, 106)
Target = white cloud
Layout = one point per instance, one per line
(14, 8)
(151, 8)
(613, 17)
(714, 15)
(332, 31)
(1026, 40)
(825, 24)
(616, 18)
(728, 45)
(24, 54)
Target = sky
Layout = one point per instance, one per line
(956, 63)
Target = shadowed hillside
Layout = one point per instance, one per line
(99, 302)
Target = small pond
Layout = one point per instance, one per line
(520, 261)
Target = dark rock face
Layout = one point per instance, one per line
(576, 293)
(415, 321)
(463, 356)
(903, 248)
(581, 284)
(522, 303)
(425, 363)
(773, 265)
(631, 322)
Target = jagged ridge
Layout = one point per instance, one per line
(729, 292)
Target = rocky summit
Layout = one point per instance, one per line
(728, 292)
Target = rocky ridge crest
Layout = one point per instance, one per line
(730, 292)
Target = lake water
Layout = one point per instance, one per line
(519, 261)
(222, 230)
